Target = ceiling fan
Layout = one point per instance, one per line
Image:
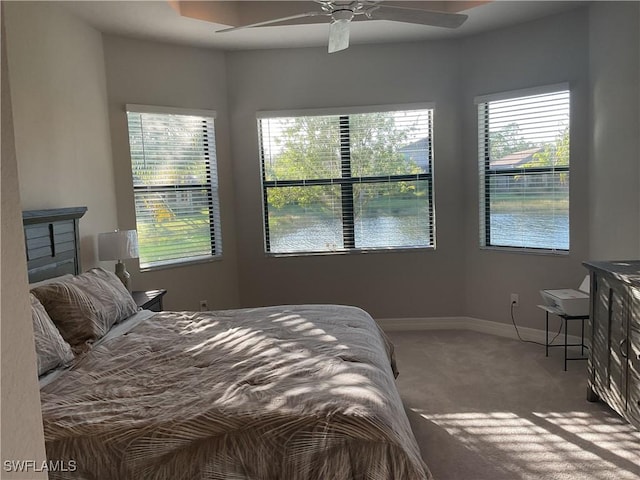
(341, 13)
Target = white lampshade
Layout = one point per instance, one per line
(118, 245)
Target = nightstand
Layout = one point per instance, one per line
(149, 299)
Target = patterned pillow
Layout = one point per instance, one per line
(84, 307)
(51, 350)
(73, 312)
(110, 296)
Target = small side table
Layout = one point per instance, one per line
(149, 299)
(565, 320)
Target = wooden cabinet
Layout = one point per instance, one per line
(633, 385)
(614, 356)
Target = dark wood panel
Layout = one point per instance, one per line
(44, 230)
(45, 252)
(36, 231)
(62, 242)
(47, 271)
(52, 242)
(50, 215)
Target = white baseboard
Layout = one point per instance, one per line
(474, 324)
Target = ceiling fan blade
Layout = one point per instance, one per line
(417, 16)
(298, 19)
(338, 35)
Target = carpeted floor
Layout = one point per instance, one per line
(484, 407)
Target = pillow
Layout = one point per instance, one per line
(84, 307)
(73, 312)
(51, 349)
(109, 294)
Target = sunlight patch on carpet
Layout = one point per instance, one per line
(559, 445)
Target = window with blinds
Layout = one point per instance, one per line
(175, 184)
(523, 150)
(346, 182)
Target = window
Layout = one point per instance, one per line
(175, 184)
(524, 169)
(346, 182)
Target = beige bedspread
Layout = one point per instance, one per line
(277, 393)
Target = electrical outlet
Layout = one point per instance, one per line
(515, 299)
(204, 305)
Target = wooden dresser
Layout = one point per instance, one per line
(614, 356)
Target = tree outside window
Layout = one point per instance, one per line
(347, 182)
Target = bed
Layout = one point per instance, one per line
(273, 393)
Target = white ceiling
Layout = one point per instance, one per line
(158, 20)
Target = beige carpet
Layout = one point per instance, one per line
(489, 408)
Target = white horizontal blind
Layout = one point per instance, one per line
(173, 162)
(523, 147)
(347, 181)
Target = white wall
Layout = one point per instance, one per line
(149, 73)
(544, 52)
(63, 144)
(458, 278)
(21, 420)
(421, 283)
(614, 158)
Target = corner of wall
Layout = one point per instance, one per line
(22, 430)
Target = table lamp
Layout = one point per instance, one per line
(119, 245)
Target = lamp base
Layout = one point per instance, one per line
(123, 275)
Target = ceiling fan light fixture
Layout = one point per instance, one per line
(339, 30)
(338, 35)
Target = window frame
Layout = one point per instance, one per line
(485, 172)
(346, 181)
(210, 187)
